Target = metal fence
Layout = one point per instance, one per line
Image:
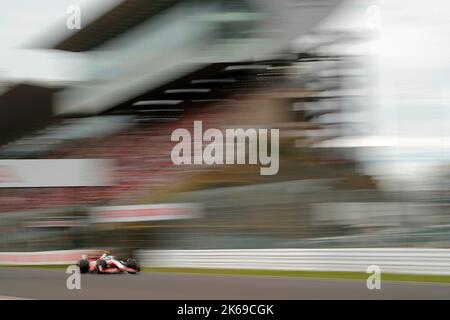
(390, 260)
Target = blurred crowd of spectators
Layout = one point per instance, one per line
(142, 161)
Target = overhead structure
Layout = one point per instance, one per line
(140, 45)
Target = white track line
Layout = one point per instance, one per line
(12, 298)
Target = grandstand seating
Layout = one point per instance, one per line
(142, 151)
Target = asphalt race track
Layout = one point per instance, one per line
(30, 283)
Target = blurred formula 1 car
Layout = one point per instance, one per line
(108, 264)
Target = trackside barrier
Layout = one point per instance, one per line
(45, 257)
(390, 260)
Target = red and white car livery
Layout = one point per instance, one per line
(108, 264)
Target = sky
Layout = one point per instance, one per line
(412, 88)
(407, 136)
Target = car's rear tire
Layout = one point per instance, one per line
(101, 265)
(83, 264)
